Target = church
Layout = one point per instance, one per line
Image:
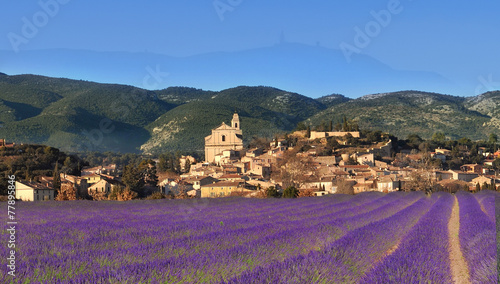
(224, 137)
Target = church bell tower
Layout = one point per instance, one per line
(235, 123)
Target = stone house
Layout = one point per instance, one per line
(366, 159)
(103, 186)
(480, 180)
(33, 191)
(225, 188)
(388, 184)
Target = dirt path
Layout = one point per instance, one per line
(459, 269)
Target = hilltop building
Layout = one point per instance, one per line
(223, 138)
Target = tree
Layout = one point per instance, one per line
(67, 192)
(187, 166)
(291, 170)
(338, 126)
(352, 161)
(121, 194)
(147, 169)
(438, 137)
(350, 140)
(301, 126)
(56, 182)
(333, 143)
(166, 162)
(464, 141)
(496, 164)
(272, 192)
(177, 162)
(290, 192)
(330, 126)
(478, 187)
(493, 138)
(308, 132)
(421, 180)
(259, 142)
(133, 178)
(373, 136)
(345, 187)
(485, 186)
(414, 140)
(67, 165)
(424, 147)
(157, 195)
(27, 174)
(306, 192)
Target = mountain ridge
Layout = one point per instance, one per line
(306, 69)
(77, 115)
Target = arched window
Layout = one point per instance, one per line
(223, 138)
(236, 125)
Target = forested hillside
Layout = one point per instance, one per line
(79, 116)
(407, 112)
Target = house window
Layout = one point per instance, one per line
(223, 138)
(236, 125)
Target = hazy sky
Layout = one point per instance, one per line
(457, 39)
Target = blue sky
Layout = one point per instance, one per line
(459, 40)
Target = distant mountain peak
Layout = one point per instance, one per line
(307, 69)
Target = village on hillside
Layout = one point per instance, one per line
(299, 164)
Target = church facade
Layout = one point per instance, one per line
(224, 137)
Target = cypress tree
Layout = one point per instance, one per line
(27, 173)
(56, 183)
(485, 186)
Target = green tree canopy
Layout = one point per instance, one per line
(290, 192)
(438, 137)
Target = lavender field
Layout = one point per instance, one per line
(367, 238)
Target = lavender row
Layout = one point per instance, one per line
(188, 242)
(286, 244)
(422, 256)
(94, 237)
(97, 248)
(486, 199)
(347, 259)
(229, 262)
(477, 239)
(221, 262)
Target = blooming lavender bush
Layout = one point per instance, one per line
(477, 238)
(423, 254)
(234, 240)
(486, 199)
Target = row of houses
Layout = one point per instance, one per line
(212, 185)
(97, 182)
